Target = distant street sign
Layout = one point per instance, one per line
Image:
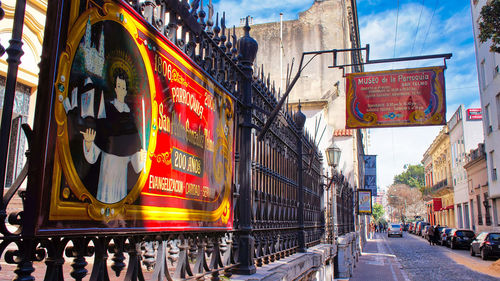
(474, 114)
(408, 97)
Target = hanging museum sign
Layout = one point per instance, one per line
(144, 138)
(364, 201)
(408, 97)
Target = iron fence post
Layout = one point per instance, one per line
(300, 120)
(15, 52)
(247, 51)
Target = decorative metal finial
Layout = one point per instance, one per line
(202, 15)
(234, 51)
(194, 7)
(210, 21)
(223, 31)
(223, 22)
(299, 118)
(216, 29)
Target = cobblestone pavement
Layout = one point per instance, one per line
(422, 262)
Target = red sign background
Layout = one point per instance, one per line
(182, 119)
(409, 97)
(474, 114)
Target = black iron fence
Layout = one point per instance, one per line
(277, 188)
(345, 206)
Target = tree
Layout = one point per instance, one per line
(405, 201)
(489, 24)
(413, 176)
(378, 212)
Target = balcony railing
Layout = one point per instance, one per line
(439, 186)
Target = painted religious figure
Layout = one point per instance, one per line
(107, 130)
(117, 141)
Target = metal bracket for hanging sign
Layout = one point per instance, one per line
(368, 61)
(278, 107)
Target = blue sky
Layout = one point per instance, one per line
(423, 28)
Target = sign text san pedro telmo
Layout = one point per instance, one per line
(145, 140)
(408, 97)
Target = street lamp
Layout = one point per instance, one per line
(332, 159)
(333, 155)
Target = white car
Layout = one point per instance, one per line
(395, 229)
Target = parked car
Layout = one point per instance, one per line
(486, 244)
(395, 229)
(443, 239)
(417, 225)
(414, 227)
(461, 238)
(420, 228)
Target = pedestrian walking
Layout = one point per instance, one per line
(430, 235)
(436, 234)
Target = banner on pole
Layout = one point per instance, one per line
(371, 173)
(408, 97)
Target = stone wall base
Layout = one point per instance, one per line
(315, 265)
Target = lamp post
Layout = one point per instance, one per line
(332, 159)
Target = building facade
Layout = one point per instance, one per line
(439, 186)
(479, 206)
(465, 131)
(488, 69)
(27, 82)
(320, 90)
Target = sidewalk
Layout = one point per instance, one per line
(377, 263)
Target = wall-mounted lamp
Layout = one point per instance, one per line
(333, 155)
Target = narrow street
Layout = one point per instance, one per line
(412, 258)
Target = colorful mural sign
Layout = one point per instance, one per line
(371, 173)
(408, 97)
(145, 139)
(364, 201)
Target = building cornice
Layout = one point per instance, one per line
(29, 20)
